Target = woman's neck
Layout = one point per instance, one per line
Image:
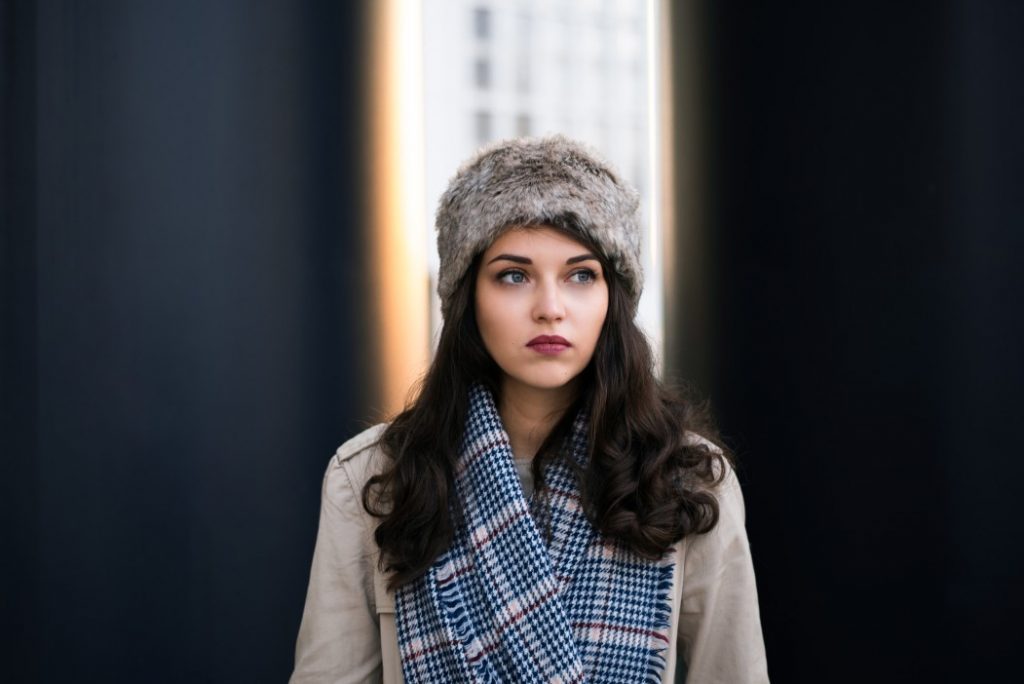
(529, 414)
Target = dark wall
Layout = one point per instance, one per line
(181, 279)
(19, 565)
(861, 230)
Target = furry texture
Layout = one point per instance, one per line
(530, 181)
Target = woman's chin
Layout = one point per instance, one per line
(542, 381)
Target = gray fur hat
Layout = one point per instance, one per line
(528, 181)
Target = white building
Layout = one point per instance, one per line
(496, 69)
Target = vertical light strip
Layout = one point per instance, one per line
(662, 128)
(659, 145)
(653, 158)
(396, 233)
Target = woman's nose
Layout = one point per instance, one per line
(549, 305)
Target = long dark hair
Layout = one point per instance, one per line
(646, 484)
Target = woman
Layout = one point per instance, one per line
(545, 510)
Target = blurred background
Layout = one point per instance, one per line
(216, 265)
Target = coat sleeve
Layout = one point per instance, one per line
(720, 636)
(339, 639)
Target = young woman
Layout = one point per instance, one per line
(545, 510)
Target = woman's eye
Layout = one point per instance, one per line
(584, 276)
(512, 277)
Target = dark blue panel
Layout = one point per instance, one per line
(196, 237)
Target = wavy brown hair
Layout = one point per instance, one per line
(645, 484)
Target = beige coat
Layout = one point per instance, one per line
(348, 626)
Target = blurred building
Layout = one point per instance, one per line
(496, 69)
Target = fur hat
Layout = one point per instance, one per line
(530, 181)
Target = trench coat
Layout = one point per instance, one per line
(348, 633)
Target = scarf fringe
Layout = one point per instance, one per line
(456, 612)
(662, 622)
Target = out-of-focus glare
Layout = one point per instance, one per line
(398, 235)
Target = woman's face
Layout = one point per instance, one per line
(541, 300)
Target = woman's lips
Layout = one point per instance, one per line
(548, 344)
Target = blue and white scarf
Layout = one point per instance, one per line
(500, 605)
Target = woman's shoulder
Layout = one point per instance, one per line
(354, 462)
(722, 467)
(361, 444)
(696, 439)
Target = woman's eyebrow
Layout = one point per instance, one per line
(524, 260)
(510, 257)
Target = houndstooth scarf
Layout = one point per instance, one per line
(500, 605)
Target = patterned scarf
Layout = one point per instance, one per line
(501, 605)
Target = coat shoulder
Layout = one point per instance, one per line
(359, 445)
(695, 439)
(361, 457)
(723, 469)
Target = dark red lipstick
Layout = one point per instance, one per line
(548, 344)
